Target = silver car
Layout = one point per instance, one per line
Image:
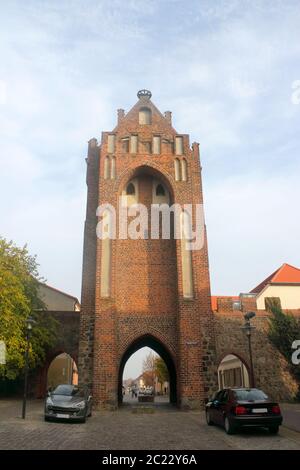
(68, 402)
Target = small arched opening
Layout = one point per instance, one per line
(160, 190)
(130, 190)
(62, 370)
(233, 372)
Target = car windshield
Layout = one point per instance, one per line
(68, 390)
(250, 395)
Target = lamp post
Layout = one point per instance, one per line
(29, 323)
(247, 328)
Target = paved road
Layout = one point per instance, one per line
(291, 415)
(129, 428)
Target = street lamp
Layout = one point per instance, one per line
(29, 323)
(248, 327)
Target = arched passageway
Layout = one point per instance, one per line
(233, 372)
(154, 344)
(62, 370)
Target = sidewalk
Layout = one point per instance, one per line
(291, 415)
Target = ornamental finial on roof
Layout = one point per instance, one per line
(144, 94)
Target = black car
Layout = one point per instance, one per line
(68, 402)
(234, 408)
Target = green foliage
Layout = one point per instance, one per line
(161, 370)
(18, 300)
(284, 329)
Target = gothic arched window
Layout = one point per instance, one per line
(177, 169)
(106, 168)
(130, 190)
(186, 255)
(183, 169)
(160, 190)
(112, 168)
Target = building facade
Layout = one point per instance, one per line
(283, 285)
(145, 291)
(57, 300)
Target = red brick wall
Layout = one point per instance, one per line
(146, 285)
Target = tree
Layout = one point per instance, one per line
(284, 330)
(19, 281)
(154, 366)
(149, 369)
(161, 371)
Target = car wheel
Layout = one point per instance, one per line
(273, 429)
(208, 418)
(229, 428)
(46, 418)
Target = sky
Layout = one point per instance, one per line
(228, 70)
(134, 366)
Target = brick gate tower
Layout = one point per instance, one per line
(145, 291)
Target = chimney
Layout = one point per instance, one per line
(168, 116)
(121, 114)
(92, 142)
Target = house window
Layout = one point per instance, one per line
(145, 116)
(271, 302)
(156, 144)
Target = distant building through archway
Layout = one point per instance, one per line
(232, 372)
(62, 370)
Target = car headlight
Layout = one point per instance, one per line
(80, 405)
(49, 402)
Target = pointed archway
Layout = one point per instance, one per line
(153, 343)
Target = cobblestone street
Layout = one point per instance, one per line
(129, 428)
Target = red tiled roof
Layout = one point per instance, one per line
(286, 274)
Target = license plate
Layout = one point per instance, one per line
(62, 416)
(260, 410)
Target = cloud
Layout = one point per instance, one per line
(3, 92)
(225, 69)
